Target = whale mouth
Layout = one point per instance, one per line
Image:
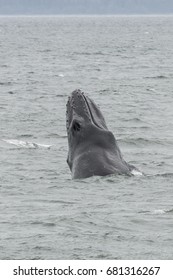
(90, 112)
(81, 107)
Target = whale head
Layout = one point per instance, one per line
(86, 129)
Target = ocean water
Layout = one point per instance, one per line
(126, 65)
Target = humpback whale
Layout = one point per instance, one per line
(93, 149)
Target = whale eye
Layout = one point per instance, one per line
(76, 126)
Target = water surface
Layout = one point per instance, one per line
(126, 65)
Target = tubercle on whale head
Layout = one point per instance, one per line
(80, 106)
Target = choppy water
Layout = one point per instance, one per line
(126, 66)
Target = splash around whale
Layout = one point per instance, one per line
(93, 149)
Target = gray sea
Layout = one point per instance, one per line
(124, 63)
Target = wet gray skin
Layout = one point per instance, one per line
(93, 149)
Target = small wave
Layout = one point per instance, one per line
(26, 144)
(5, 83)
(60, 75)
(161, 211)
(157, 77)
(45, 51)
(41, 248)
(106, 91)
(46, 224)
(26, 135)
(151, 89)
(141, 141)
(98, 69)
(165, 175)
(59, 95)
(61, 202)
(134, 120)
(156, 211)
(56, 135)
(89, 53)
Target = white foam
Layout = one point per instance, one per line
(136, 172)
(159, 211)
(26, 144)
